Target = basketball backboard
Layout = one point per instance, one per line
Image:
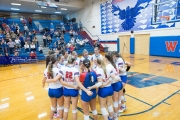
(165, 11)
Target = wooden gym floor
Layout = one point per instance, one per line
(153, 91)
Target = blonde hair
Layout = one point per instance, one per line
(84, 51)
(71, 59)
(101, 62)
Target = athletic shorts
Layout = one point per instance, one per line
(55, 93)
(105, 92)
(117, 86)
(124, 78)
(70, 92)
(87, 98)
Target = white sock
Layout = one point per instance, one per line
(115, 115)
(124, 105)
(86, 117)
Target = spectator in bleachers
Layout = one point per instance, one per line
(44, 40)
(16, 53)
(13, 27)
(86, 41)
(35, 41)
(1, 35)
(21, 19)
(49, 40)
(21, 38)
(30, 35)
(26, 29)
(26, 47)
(33, 55)
(96, 44)
(67, 49)
(52, 26)
(1, 27)
(33, 47)
(5, 20)
(8, 36)
(17, 49)
(30, 22)
(11, 45)
(13, 36)
(58, 26)
(40, 49)
(17, 30)
(80, 26)
(28, 40)
(71, 33)
(24, 21)
(4, 45)
(71, 48)
(34, 32)
(51, 33)
(63, 29)
(72, 40)
(56, 34)
(18, 43)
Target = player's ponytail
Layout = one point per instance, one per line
(53, 59)
(87, 64)
(102, 64)
(109, 57)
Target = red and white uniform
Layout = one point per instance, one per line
(68, 74)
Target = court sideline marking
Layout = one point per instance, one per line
(152, 106)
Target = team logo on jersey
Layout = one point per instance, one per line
(171, 45)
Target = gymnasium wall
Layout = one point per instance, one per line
(91, 15)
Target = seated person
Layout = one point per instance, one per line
(18, 42)
(33, 55)
(33, 47)
(26, 47)
(40, 49)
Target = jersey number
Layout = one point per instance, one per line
(69, 75)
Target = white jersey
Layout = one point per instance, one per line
(60, 65)
(100, 74)
(88, 57)
(95, 57)
(120, 63)
(65, 62)
(109, 71)
(77, 63)
(53, 85)
(68, 74)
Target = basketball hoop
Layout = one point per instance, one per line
(164, 19)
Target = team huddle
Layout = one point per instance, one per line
(69, 76)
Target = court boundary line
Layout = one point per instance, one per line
(151, 108)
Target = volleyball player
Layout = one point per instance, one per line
(96, 56)
(120, 64)
(77, 60)
(55, 90)
(61, 61)
(85, 55)
(116, 84)
(88, 79)
(65, 54)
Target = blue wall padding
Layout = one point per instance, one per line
(159, 46)
(132, 45)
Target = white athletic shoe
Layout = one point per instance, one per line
(122, 109)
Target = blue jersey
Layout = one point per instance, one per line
(86, 80)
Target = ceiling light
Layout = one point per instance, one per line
(16, 4)
(14, 13)
(38, 10)
(57, 12)
(63, 9)
(14, 9)
(43, 7)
